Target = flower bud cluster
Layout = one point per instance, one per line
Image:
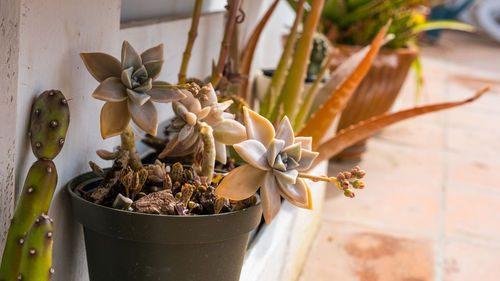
(346, 180)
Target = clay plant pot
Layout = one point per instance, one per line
(377, 92)
(130, 246)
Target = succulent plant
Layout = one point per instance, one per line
(202, 106)
(274, 162)
(129, 88)
(36, 262)
(318, 55)
(48, 126)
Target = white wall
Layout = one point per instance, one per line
(49, 35)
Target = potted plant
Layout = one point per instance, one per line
(166, 221)
(169, 221)
(352, 24)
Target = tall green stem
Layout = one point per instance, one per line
(224, 48)
(281, 71)
(305, 108)
(128, 143)
(193, 32)
(295, 80)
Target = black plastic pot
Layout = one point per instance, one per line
(128, 246)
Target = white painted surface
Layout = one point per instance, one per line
(280, 248)
(9, 54)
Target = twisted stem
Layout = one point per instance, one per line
(224, 49)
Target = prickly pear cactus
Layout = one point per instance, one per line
(35, 199)
(319, 53)
(49, 123)
(48, 127)
(36, 260)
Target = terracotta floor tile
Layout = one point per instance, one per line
(473, 213)
(350, 253)
(474, 143)
(475, 170)
(469, 262)
(395, 204)
(401, 161)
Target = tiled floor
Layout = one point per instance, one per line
(431, 209)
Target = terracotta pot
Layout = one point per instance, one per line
(377, 92)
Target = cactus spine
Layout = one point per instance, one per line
(48, 127)
(36, 260)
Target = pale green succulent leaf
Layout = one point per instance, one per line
(271, 199)
(258, 127)
(254, 153)
(296, 194)
(291, 164)
(153, 54)
(241, 183)
(154, 68)
(285, 131)
(140, 73)
(307, 159)
(115, 118)
(111, 89)
(138, 98)
(101, 65)
(130, 58)
(220, 152)
(289, 177)
(305, 142)
(161, 92)
(145, 116)
(278, 163)
(146, 86)
(126, 77)
(294, 151)
(273, 150)
(229, 132)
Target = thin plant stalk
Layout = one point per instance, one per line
(281, 71)
(311, 94)
(295, 80)
(249, 51)
(128, 143)
(193, 32)
(224, 49)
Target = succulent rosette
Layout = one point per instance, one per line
(129, 88)
(203, 107)
(274, 162)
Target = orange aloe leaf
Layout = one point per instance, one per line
(249, 51)
(364, 129)
(340, 87)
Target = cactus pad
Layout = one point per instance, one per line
(35, 199)
(36, 261)
(49, 124)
